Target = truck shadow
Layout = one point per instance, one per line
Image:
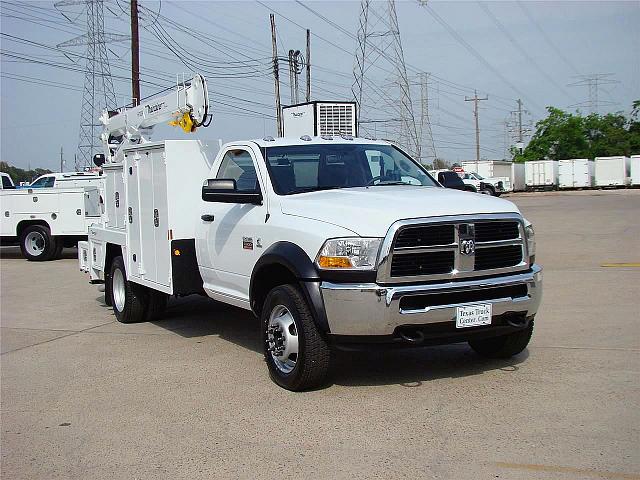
(412, 367)
(13, 252)
(194, 316)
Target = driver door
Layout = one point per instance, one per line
(230, 246)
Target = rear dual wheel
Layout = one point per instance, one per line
(132, 302)
(38, 245)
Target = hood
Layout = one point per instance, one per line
(369, 212)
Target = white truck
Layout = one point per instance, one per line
(486, 185)
(46, 220)
(332, 242)
(68, 180)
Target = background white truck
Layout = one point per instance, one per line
(45, 220)
(332, 242)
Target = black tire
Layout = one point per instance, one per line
(486, 190)
(312, 360)
(156, 304)
(59, 245)
(132, 306)
(470, 188)
(37, 244)
(504, 346)
(107, 289)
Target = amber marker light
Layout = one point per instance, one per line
(334, 262)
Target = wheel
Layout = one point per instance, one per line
(128, 299)
(107, 289)
(37, 244)
(504, 346)
(487, 191)
(59, 245)
(156, 304)
(470, 188)
(295, 352)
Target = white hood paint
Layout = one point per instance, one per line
(369, 212)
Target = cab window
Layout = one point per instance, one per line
(44, 182)
(238, 165)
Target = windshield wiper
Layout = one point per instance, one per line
(391, 182)
(315, 189)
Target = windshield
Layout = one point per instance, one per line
(306, 168)
(478, 177)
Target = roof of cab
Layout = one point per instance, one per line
(327, 140)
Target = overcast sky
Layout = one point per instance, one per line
(505, 50)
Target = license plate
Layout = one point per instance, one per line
(473, 315)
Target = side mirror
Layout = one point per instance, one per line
(225, 190)
(99, 160)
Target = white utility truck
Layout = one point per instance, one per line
(45, 220)
(333, 242)
(486, 185)
(67, 180)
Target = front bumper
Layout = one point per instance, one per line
(376, 310)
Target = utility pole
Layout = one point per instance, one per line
(308, 61)
(475, 99)
(135, 54)
(276, 74)
(61, 162)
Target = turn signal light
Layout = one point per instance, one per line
(334, 262)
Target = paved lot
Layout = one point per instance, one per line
(189, 397)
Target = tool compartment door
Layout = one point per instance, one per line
(159, 215)
(148, 230)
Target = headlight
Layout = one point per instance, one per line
(531, 239)
(352, 253)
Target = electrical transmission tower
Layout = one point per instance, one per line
(593, 82)
(380, 45)
(98, 93)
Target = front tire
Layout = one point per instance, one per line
(37, 244)
(504, 346)
(128, 298)
(296, 354)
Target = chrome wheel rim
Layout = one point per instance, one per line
(282, 339)
(118, 288)
(35, 243)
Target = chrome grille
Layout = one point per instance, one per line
(434, 249)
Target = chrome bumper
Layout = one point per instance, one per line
(372, 309)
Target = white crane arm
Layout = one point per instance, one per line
(186, 106)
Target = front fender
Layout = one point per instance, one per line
(296, 261)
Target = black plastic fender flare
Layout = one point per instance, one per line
(296, 260)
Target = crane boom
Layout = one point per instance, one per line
(187, 106)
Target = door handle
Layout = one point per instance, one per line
(207, 218)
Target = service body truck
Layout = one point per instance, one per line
(46, 220)
(333, 242)
(68, 180)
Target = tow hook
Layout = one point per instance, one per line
(411, 336)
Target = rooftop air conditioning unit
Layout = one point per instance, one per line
(320, 118)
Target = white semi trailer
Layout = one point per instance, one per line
(612, 171)
(541, 175)
(575, 173)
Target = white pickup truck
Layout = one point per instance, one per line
(332, 241)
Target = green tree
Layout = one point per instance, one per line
(20, 175)
(566, 135)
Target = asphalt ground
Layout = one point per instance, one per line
(189, 396)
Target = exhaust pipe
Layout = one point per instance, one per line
(414, 336)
